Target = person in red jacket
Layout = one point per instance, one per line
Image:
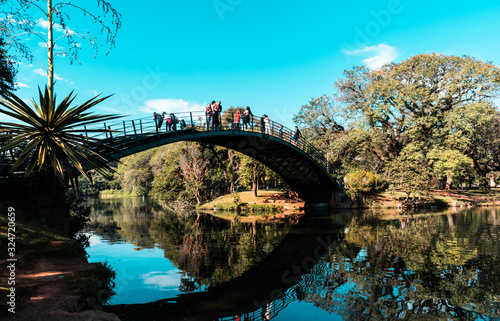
(237, 117)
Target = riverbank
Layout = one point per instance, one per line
(441, 198)
(42, 279)
(224, 206)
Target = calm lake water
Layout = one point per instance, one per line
(342, 266)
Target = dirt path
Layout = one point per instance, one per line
(45, 289)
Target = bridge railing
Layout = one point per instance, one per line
(129, 130)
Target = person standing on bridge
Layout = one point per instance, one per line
(267, 125)
(216, 109)
(208, 113)
(174, 121)
(237, 117)
(168, 121)
(158, 120)
(246, 117)
(296, 135)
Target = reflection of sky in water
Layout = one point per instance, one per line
(142, 276)
(300, 310)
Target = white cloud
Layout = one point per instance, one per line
(170, 105)
(20, 84)
(57, 27)
(162, 280)
(44, 45)
(384, 54)
(42, 72)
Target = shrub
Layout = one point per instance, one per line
(360, 183)
(97, 283)
(79, 215)
(266, 208)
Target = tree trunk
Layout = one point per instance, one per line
(449, 181)
(255, 181)
(492, 182)
(50, 51)
(484, 183)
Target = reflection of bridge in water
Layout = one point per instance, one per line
(320, 282)
(284, 275)
(297, 161)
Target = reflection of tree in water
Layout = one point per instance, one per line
(212, 250)
(123, 219)
(209, 249)
(438, 266)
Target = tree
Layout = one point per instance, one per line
(473, 129)
(408, 102)
(411, 171)
(136, 174)
(251, 170)
(320, 118)
(450, 164)
(7, 70)
(19, 23)
(194, 173)
(51, 136)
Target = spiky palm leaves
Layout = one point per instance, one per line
(52, 136)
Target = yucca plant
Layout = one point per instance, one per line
(51, 136)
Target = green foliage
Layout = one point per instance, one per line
(79, 215)
(411, 172)
(450, 163)
(50, 135)
(266, 208)
(99, 184)
(96, 284)
(321, 120)
(436, 102)
(7, 70)
(360, 183)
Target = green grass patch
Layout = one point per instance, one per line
(266, 208)
(96, 285)
(115, 193)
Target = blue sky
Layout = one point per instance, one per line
(273, 56)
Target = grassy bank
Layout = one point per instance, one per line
(50, 269)
(442, 198)
(265, 203)
(31, 241)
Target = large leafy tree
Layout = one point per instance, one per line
(442, 104)
(409, 101)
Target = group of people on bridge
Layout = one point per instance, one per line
(241, 119)
(171, 121)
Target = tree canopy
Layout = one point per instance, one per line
(437, 105)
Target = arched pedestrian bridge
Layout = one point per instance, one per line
(298, 162)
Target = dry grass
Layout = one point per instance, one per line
(246, 197)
